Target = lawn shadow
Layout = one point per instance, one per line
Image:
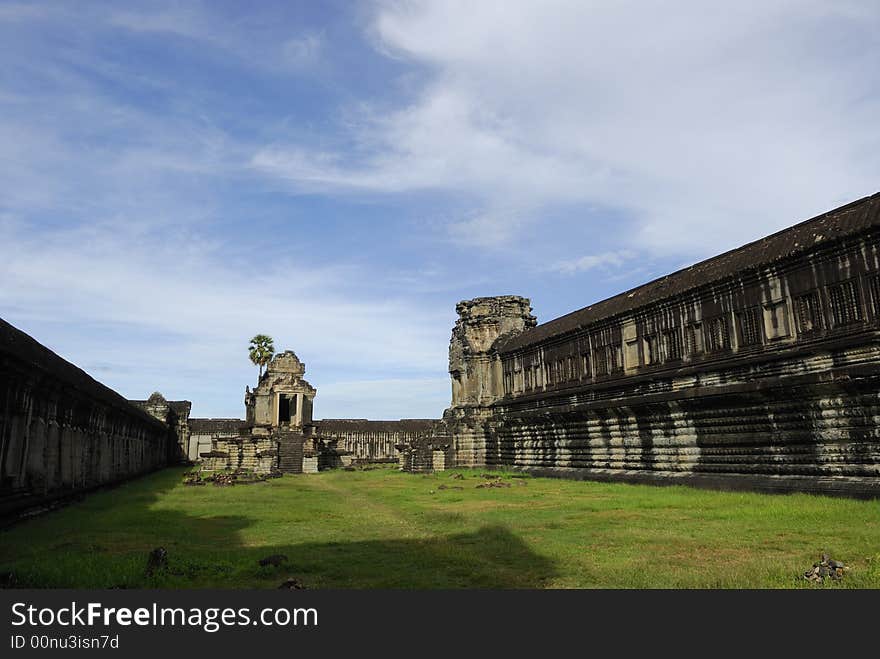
(100, 543)
(490, 557)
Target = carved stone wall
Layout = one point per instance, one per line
(203, 432)
(758, 368)
(257, 454)
(175, 415)
(431, 451)
(373, 441)
(62, 431)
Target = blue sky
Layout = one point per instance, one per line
(176, 177)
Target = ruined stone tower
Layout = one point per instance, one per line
(475, 368)
(282, 399)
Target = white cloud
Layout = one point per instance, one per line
(179, 21)
(270, 45)
(303, 50)
(592, 261)
(172, 309)
(707, 126)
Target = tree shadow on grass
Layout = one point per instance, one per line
(104, 541)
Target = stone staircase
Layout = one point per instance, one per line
(290, 452)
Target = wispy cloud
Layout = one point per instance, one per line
(173, 286)
(261, 44)
(592, 261)
(709, 128)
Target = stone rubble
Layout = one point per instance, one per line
(827, 568)
(493, 483)
(225, 479)
(292, 584)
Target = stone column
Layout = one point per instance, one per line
(297, 419)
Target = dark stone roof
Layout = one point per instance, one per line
(179, 407)
(19, 347)
(842, 222)
(364, 425)
(206, 426)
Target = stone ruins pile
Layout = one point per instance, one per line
(827, 568)
(227, 478)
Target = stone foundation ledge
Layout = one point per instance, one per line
(838, 486)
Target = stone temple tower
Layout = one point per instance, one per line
(475, 368)
(282, 399)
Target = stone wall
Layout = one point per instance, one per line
(428, 452)
(62, 431)
(175, 415)
(759, 368)
(372, 441)
(257, 454)
(202, 432)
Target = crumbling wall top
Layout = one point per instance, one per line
(495, 307)
(286, 362)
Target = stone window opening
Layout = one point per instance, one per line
(846, 307)
(508, 378)
(874, 288)
(750, 327)
(717, 336)
(807, 313)
(693, 336)
(651, 350)
(601, 361)
(615, 358)
(286, 408)
(671, 344)
(672, 341)
(585, 365)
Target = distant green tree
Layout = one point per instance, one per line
(261, 350)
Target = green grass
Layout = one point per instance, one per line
(385, 529)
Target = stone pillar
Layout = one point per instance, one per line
(475, 368)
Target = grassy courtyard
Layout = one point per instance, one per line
(379, 528)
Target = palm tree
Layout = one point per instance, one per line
(261, 351)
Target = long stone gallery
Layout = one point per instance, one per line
(757, 369)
